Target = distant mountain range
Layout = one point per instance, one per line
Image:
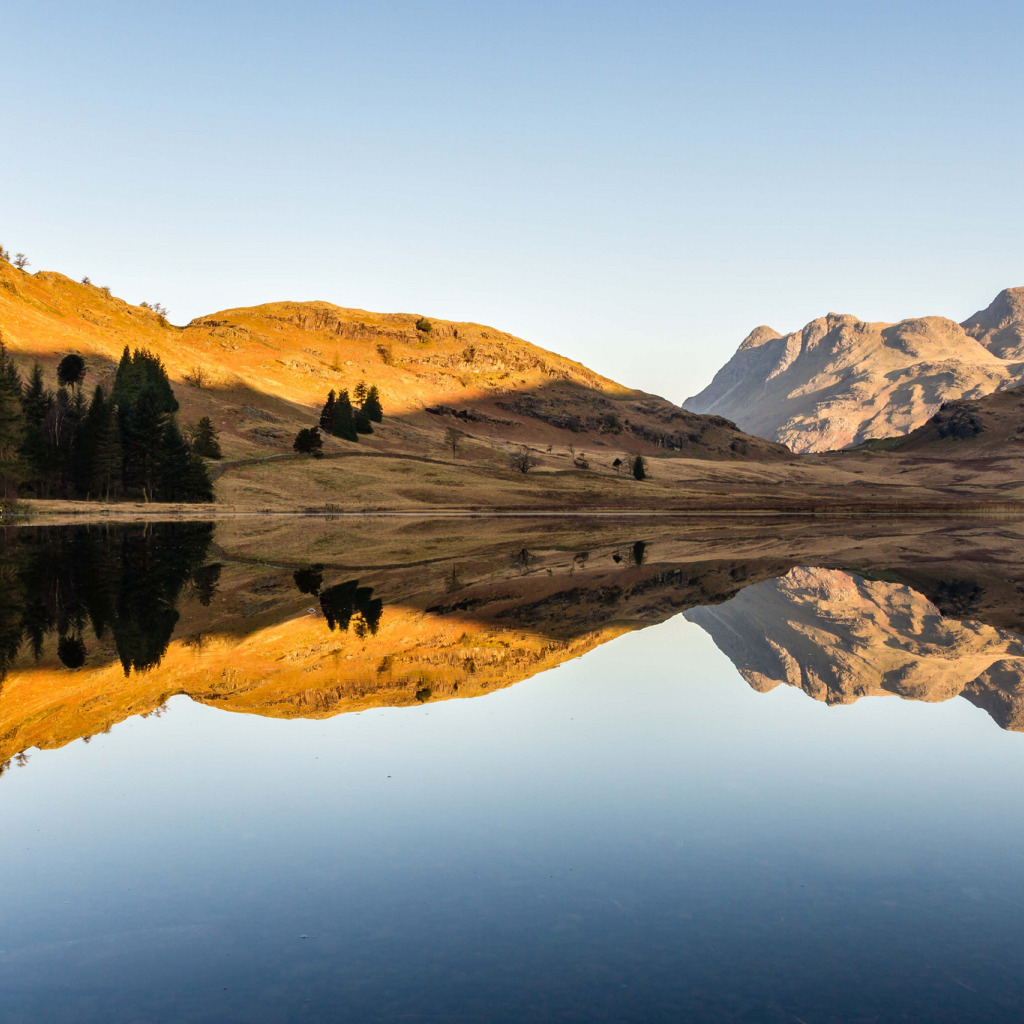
(840, 381)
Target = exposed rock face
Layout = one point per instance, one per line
(839, 637)
(840, 381)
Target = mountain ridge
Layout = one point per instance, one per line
(839, 380)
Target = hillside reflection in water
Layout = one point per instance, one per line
(642, 834)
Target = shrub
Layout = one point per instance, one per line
(424, 326)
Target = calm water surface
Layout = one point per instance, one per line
(638, 834)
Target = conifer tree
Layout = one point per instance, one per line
(12, 426)
(361, 422)
(98, 463)
(639, 472)
(142, 434)
(359, 392)
(204, 439)
(343, 423)
(372, 406)
(175, 480)
(308, 442)
(327, 413)
(36, 400)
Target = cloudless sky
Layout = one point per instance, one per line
(635, 185)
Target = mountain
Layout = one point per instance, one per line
(263, 372)
(839, 637)
(839, 381)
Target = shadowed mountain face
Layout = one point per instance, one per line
(315, 617)
(839, 637)
(839, 381)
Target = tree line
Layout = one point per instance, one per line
(340, 417)
(59, 444)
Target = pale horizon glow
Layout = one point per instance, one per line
(635, 186)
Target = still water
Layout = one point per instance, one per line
(256, 795)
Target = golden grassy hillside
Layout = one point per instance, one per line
(265, 371)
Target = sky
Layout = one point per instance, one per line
(634, 185)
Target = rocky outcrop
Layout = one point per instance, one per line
(840, 381)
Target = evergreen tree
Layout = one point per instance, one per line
(12, 426)
(327, 414)
(140, 371)
(142, 436)
(343, 424)
(359, 392)
(204, 439)
(36, 400)
(174, 465)
(361, 422)
(182, 476)
(98, 463)
(308, 442)
(372, 406)
(639, 473)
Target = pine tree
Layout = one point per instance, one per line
(361, 422)
(327, 414)
(138, 371)
(98, 462)
(308, 442)
(36, 399)
(142, 434)
(174, 465)
(343, 424)
(359, 392)
(12, 426)
(372, 406)
(204, 439)
(639, 473)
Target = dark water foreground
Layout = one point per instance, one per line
(702, 772)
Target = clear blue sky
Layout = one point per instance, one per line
(635, 185)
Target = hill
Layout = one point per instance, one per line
(839, 381)
(263, 372)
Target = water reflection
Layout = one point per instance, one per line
(839, 637)
(120, 583)
(101, 623)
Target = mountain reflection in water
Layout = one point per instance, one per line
(100, 623)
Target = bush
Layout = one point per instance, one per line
(424, 326)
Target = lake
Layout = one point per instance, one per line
(391, 769)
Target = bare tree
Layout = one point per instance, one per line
(5, 255)
(522, 459)
(20, 260)
(454, 438)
